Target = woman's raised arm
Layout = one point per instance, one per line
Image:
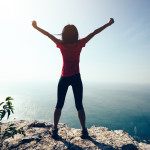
(54, 39)
(91, 35)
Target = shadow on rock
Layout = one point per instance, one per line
(129, 147)
(102, 146)
(68, 144)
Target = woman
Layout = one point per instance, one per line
(70, 47)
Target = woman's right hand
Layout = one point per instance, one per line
(34, 24)
(111, 21)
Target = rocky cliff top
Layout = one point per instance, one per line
(38, 136)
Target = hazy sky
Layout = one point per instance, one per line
(121, 53)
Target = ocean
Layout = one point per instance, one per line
(115, 106)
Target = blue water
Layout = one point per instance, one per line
(115, 106)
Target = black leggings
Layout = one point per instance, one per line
(76, 83)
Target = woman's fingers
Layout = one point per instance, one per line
(34, 23)
(111, 21)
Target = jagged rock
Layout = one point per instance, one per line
(38, 136)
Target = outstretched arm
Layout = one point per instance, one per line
(87, 38)
(54, 39)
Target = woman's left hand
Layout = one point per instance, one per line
(34, 24)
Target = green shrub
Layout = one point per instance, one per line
(6, 107)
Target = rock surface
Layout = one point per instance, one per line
(38, 136)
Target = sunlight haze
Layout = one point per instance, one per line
(120, 53)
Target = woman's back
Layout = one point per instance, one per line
(71, 57)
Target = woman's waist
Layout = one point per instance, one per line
(70, 75)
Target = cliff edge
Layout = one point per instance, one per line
(38, 136)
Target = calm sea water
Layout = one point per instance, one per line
(115, 106)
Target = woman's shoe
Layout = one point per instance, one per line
(55, 133)
(84, 134)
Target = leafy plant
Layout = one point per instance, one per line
(7, 108)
